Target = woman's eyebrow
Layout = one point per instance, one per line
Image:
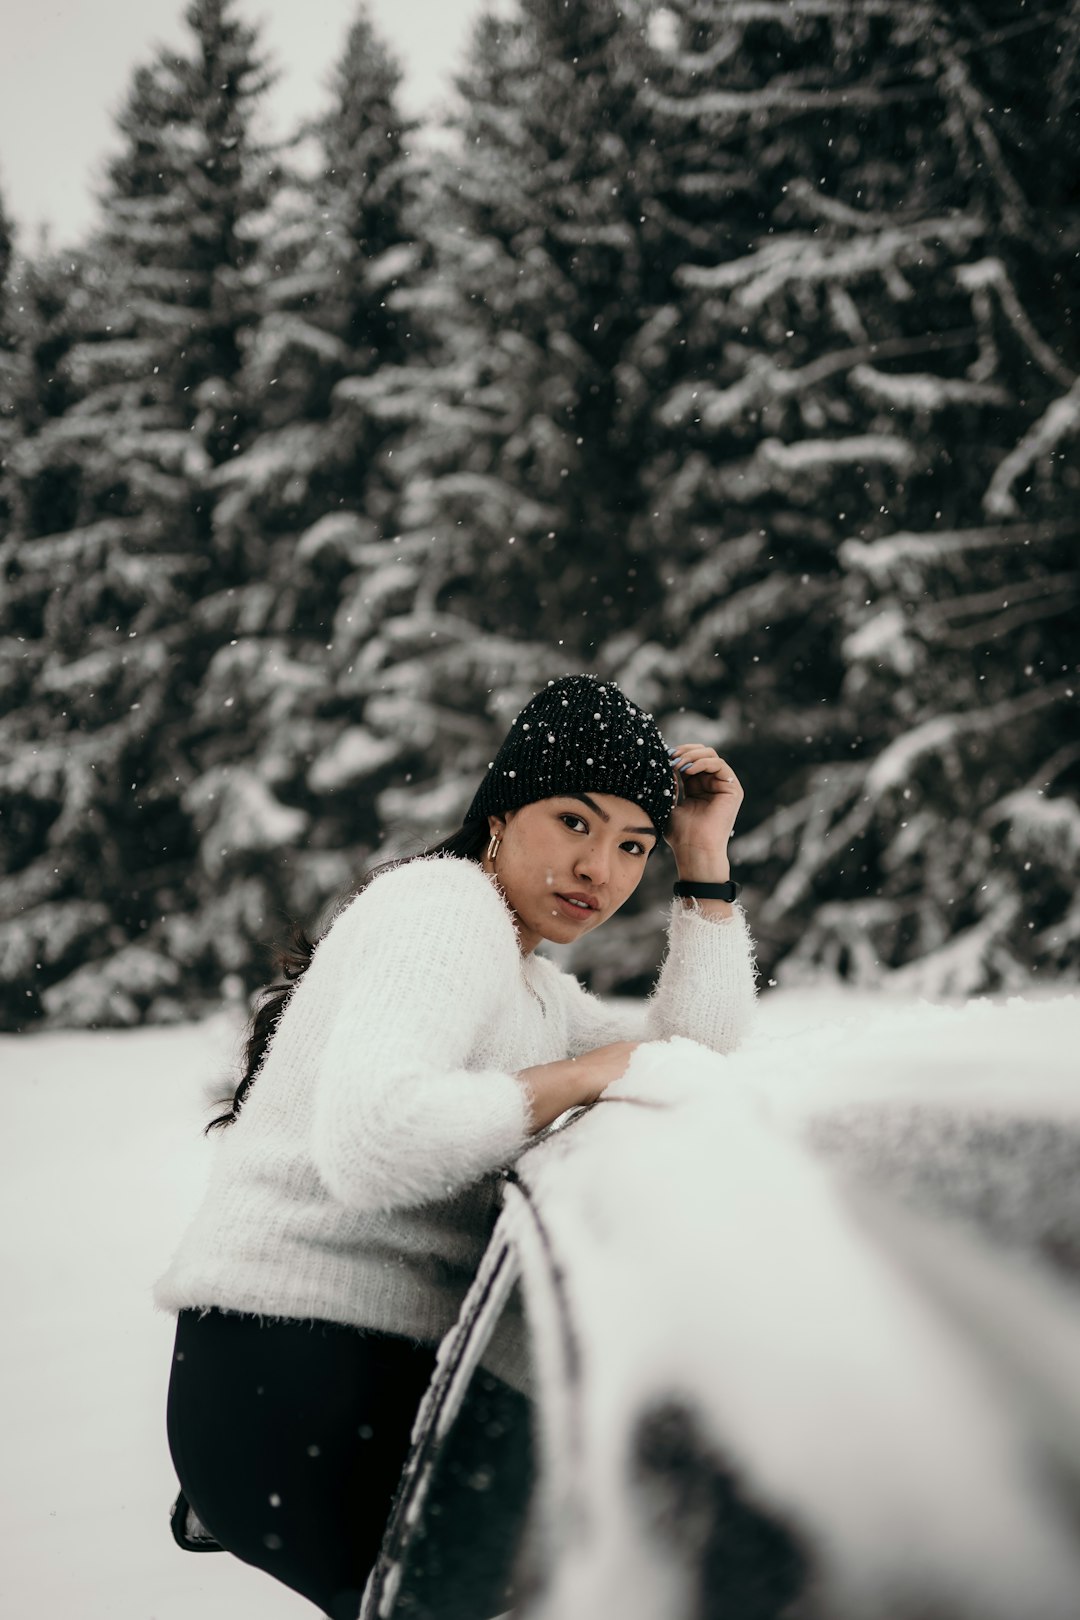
(595, 808)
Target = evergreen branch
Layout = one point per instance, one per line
(765, 380)
(1004, 623)
(957, 81)
(814, 202)
(1061, 419)
(730, 106)
(923, 392)
(891, 770)
(738, 13)
(773, 835)
(999, 36)
(757, 276)
(1063, 77)
(1061, 760)
(880, 559)
(980, 602)
(991, 272)
(896, 763)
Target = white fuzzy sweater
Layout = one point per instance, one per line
(359, 1183)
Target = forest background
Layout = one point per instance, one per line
(726, 348)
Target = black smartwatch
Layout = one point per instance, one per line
(687, 890)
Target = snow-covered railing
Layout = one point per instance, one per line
(804, 1325)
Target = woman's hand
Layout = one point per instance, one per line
(702, 823)
(570, 1082)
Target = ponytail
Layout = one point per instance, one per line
(292, 959)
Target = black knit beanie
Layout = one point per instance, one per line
(580, 735)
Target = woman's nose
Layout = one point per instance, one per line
(592, 867)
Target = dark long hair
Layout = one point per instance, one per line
(291, 962)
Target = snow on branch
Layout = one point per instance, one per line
(824, 455)
(1020, 602)
(236, 812)
(90, 364)
(906, 555)
(960, 966)
(387, 268)
(791, 13)
(720, 408)
(923, 391)
(990, 274)
(834, 785)
(798, 470)
(726, 107)
(272, 460)
(892, 770)
(344, 535)
(110, 991)
(811, 201)
(46, 934)
(886, 641)
(896, 764)
(758, 276)
(280, 334)
(84, 547)
(354, 755)
(972, 104)
(740, 613)
(1046, 828)
(578, 235)
(144, 657)
(1041, 439)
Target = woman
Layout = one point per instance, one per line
(417, 1053)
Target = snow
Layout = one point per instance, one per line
(355, 754)
(111, 991)
(102, 1161)
(884, 639)
(923, 391)
(758, 276)
(343, 534)
(903, 557)
(1041, 439)
(243, 813)
(878, 1340)
(855, 450)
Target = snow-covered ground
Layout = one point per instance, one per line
(101, 1159)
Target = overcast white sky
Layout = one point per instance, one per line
(65, 64)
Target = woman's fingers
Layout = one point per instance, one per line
(696, 759)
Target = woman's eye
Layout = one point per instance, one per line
(635, 847)
(578, 820)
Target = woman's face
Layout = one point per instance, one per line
(567, 864)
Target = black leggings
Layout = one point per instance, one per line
(288, 1439)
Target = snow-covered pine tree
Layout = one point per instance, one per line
(513, 476)
(962, 624)
(311, 504)
(858, 350)
(115, 546)
(948, 845)
(514, 467)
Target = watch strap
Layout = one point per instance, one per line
(685, 889)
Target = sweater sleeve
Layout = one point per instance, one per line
(705, 991)
(399, 1120)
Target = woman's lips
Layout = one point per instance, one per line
(568, 908)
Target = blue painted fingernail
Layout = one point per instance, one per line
(683, 764)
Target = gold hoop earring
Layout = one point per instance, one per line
(493, 847)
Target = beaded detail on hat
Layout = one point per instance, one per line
(579, 735)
